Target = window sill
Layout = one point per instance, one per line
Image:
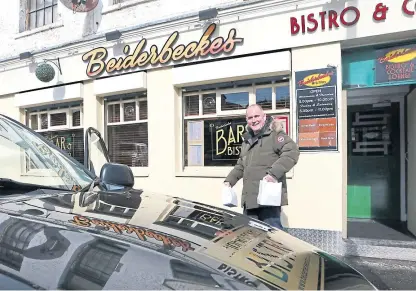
(57, 24)
(210, 172)
(122, 5)
(140, 171)
(213, 172)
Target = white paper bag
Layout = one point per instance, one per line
(270, 193)
(229, 197)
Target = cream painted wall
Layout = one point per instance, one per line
(306, 191)
(317, 185)
(8, 107)
(165, 138)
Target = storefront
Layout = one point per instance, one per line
(177, 116)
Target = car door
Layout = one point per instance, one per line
(95, 151)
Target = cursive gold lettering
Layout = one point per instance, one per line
(97, 63)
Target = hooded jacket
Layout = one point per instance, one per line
(271, 151)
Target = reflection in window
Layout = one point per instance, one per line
(282, 97)
(234, 101)
(191, 274)
(14, 240)
(93, 266)
(264, 98)
(214, 117)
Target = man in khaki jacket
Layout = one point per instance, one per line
(267, 152)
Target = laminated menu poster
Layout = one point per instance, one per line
(316, 98)
(273, 258)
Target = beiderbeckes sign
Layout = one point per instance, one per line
(97, 62)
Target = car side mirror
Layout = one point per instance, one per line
(113, 174)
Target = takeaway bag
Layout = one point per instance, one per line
(229, 197)
(270, 193)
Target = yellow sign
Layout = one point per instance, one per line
(402, 55)
(228, 139)
(316, 80)
(265, 257)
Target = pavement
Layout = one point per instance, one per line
(386, 274)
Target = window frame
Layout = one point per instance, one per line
(29, 11)
(137, 171)
(122, 102)
(183, 170)
(69, 111)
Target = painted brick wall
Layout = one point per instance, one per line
(73, 27)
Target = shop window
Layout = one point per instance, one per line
(214, 118)
(93, 266)
(38, 13)
(127, 131)
(62, 127)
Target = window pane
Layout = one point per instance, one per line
(234, 101)
(44, 121)
(264, 98)
(39, 4)
(76, 118)
(209, 103)
(58, 119)
(55, 13)
(222, 139)
(70, 141)
(32, 20)
(48, 15)
(34, 122)
(32, 5)
(130, 111)
(282, 97)
(39, 18)
(128, 144)
(143, 110)
(191, 105)
(114, 113)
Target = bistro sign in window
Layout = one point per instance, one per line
(214, 119)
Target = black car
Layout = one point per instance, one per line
(64, 227)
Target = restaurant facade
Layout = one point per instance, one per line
(171, 105)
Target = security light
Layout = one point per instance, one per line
(208, 14)
(25, 55)
(113, 35)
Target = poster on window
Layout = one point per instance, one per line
(223, 140)
(224, 137)
(316, 98)
(70, 141)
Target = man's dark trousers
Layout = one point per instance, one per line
(267, 214)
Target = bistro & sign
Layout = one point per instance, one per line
(97, 63)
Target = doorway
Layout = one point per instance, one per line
(376, 168)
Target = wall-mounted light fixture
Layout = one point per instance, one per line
(113, 35)
(208, 14)
(25, 55)
(45, 72)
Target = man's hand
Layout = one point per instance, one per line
(270, 178)
(227, 184)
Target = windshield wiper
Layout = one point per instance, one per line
(12, 184)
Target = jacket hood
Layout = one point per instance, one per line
(144, 240)
(270, 125)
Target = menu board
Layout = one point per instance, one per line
(397, 64)
(316, 97)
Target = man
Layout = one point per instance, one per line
(267, 152)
